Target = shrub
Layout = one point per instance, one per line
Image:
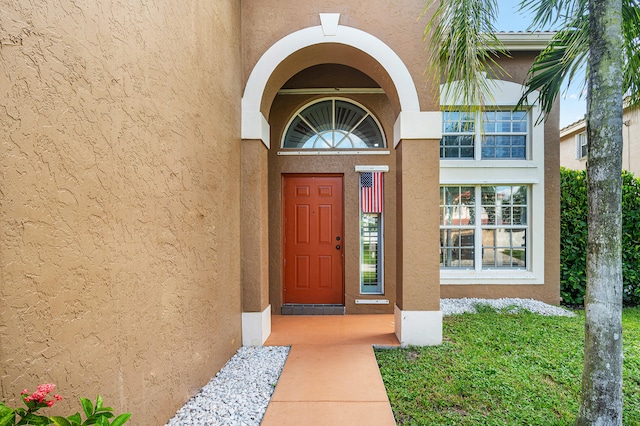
(573, 237)
(97, 414)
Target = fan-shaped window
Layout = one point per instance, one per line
(333, 124)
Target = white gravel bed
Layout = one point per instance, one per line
(240, 392)
(510, 305)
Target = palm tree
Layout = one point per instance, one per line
(602, 35)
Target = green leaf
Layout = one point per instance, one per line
(102, 421)
(60, 421)
(121, 419)
(462, 36)
(7, 415)
(75, 419)
(99, 403)
(34, 419)
(87, 406)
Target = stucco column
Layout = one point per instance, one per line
(256, 312)
(418, 319)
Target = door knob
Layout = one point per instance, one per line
(338, 247)
(338, 238)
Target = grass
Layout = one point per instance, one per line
(502, 369)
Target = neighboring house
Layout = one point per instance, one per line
(174, 173)
(573, 143)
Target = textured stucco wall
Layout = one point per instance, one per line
(630, 144)
(568, 151)
(418, 274)
(395, 22)
(119, 192)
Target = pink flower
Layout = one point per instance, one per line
(50, 403)
(46, 388)
(40, 394)
(58, 397)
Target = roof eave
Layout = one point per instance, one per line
(525, 41)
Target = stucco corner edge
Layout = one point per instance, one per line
(418, 328)
(256, 327)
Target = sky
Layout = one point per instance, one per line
(572, 104)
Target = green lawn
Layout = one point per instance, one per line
(502, 369)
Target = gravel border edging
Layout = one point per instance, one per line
(239, 393)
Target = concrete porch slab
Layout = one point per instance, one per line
(331, 376)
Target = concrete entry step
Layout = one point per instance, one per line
(318, 309)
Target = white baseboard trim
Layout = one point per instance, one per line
(418, 328)
(256, 327)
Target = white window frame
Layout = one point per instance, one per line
(330, 147)
(497, 133)
(379, 260)
(529, 171)
(581, 142)
(478, 134)
(478, 227)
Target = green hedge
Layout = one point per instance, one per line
(573, 237)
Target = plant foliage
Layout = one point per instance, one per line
(502, 369)
(573, 237)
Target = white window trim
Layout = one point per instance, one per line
(534, 274)
(478, 228)
(380, 259)
(505, 172)
(579, 155)
(478, 134)
(319, 150)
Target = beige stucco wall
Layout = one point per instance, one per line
(418, 271)
(568, 149)
(394, 22)
(630, 143)
(120, 205)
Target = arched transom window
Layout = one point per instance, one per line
(333, 124)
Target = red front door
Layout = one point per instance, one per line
(313, 239)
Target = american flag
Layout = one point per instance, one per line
(371, 200)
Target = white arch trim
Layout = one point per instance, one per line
(501, 93)
(254, 124)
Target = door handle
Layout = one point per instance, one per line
(338, 247)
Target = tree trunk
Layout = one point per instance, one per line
(602, 376)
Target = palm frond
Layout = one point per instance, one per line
(568, 52)
(461, 35)
(553, 13)
(565, 55)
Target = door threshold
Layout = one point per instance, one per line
(311, 309)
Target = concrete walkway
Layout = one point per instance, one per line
(331, 376)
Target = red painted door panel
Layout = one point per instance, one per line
(313, 239)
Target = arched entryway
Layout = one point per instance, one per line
(311, 66)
